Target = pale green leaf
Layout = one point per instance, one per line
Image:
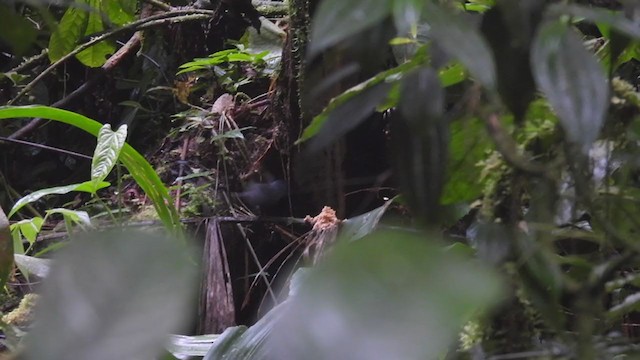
(29, 228)
(119, 12)
(71, 28)
(96, 55)
(58, 190)
(107, 151)
(77, 217)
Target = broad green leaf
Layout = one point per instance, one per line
(113, 295)
(58, 190)
(337, 20)
(392, 295)
(224, 56)
(96, 55)
(33, 265)
(86, 19)
(29, 228)
(140, 169)
(452, 74)
(463, 41)
(76, 217)
(69, 31)
(572, 80)
(107, 151)
(469, 145)
(6, 249)
(119, 12)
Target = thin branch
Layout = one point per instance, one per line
(178, 15)
(45, 147)
(30, 61)
(159, 4)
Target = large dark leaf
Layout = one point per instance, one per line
(461, 40)
(347, 115)
(422, 98)
(509, 28)
(420, 138)
(113, 295)
(572, 80)
(337, 20)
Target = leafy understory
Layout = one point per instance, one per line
(475, 163)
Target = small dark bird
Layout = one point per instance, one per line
(260, 195)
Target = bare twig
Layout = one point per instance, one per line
(30, 61)
(45, 147)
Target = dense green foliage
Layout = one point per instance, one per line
(513, 132)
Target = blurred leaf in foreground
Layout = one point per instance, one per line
(391, 295)
(113, 295)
